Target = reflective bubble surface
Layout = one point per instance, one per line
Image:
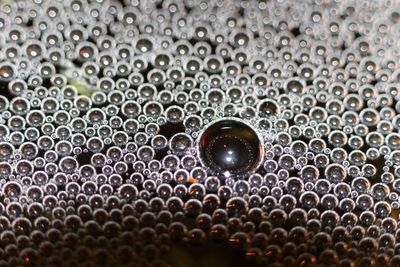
(230, 147)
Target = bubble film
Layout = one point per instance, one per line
(199, 133)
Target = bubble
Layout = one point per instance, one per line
(7, 71)
(268, 108)
(174, 114)
(68, 165)
(6, 151)
(145, 153)
(335, 173)
(180, 143)
(12, 190)
(287, 162)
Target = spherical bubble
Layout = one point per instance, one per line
(357, 158)
(14, 210)
(20, 106)
(235, 94)
(68, 165)
(298, 148)
(268, 108)
(393, 140)
(192, 64)
(49, 105)
(156, 76)
(294, 85)
(197, 190)
(287, 162)
(21, 226)
(86, 51)
(120, 138)
(153, 109)
(40, 178)
(147, 91)
(154, 165)
(94, 144)
(360, 184)
(287, 202)
(34, 193)
(338, 155)
(12, 190)
(294, 185)
(170, 162)
(389, 225)
(141, 138)
(374, 139)
(335, 173)
(382, 209)
(83, 103)
(380, 191)
(369, 170)
(6, 151)
(63, 148)
(115, 122)
(191, 107)
(5, 169)
(337, 138)
(145, 153)
(128, 192)
(7, 71)
(180, 143)
(232, 130)
(143, 44)
(329, 201)
(62, 117)
(16, 123)
(369, 117)
(181, 98)
(24, 168)
(355, 142)
(294, 131)
(174, 114)
(131, 109)
(193, 123)
(364, 202)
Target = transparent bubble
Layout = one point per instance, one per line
(335, 173)
(68, 165)
(145, 153)
(12, 190)
(180, 143)
(170, 162)
(225, 125)
(159, 142)
(174, 114)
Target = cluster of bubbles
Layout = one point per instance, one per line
(102, 104)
